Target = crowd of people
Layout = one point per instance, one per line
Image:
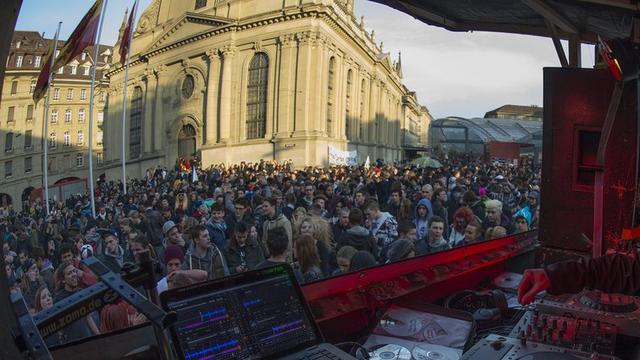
(200, 224)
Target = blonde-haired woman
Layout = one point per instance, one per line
(320, 230)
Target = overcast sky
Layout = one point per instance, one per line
(454, 74)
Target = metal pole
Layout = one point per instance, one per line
(45, 124)
(124, 99)
(91, 96)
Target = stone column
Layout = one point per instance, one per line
(318, 86)
(149, 109)
(286, 86)
(159, 121)
(226, 96)
(211, 122)
(303, 85)
(111, 126)
(373, 110)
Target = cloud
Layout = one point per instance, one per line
(463, 73)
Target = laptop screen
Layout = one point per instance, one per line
(255, 315)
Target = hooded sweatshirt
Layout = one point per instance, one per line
(212, 262)
(360, 238)
(113, 261)
(422, 223)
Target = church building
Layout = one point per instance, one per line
(244, 80)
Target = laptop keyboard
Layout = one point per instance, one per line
(319, 354)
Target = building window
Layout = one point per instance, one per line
(54, 116)
(27, 165)
(53, 140)
(11, 114)
(200, 4)
(331, 95)
(69, 94)
(19, 59)
(27, 139)
(67, 116)
(81, 116)
(8, 168)
(86, 70)
(80, 137)
(257, 96)
(79, 160)
(32, 87)
(14, 87)
(36, 61)
(101, 117)
(29, 112)
(99, 158)
(56, 94)
(18, 45)
(61, 70)
(8, 142)
(67, 138)
(74, 69)
(83, 94)
(347, 119)
(135, 124)
(83, 57)
(99, 137)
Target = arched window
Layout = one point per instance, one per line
(257, 96)
(363, 93)
(348, 118)
(135, 125)
(331, 95)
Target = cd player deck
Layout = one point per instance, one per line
(622, 311)
(499, 347)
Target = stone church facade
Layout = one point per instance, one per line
(243, 80)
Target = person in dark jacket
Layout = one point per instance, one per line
(113, 254)
(242, 212)
(357, 235)
(243, 253)
(217, 226)
(613, 273)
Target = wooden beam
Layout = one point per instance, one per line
(557, 44)
(551, 15)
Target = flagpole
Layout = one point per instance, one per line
(45, 124)
(124, 98)
(91, 97)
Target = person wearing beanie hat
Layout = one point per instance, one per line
(522, 220)
(495, 216)
(173, 260)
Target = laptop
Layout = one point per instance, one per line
(260, 314)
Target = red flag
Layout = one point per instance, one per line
(43, 79)
(84, 35)
(125, 44)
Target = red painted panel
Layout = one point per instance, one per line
(577, 100)
(344, 305)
